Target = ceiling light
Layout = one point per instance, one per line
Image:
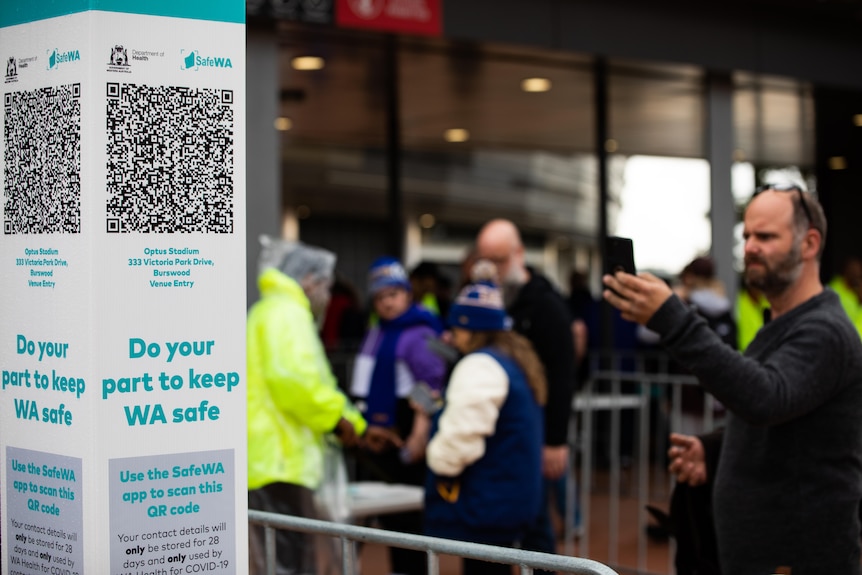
(535, 84)
(307, 63)
(456, 135)
(283, 124)
(427, 221)
(857, 120)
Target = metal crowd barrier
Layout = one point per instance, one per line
(638, 387)
(352, 534)
(651, 390)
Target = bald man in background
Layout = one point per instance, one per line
(541, 315)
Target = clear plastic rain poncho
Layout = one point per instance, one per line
(311, 267)
(296, 259)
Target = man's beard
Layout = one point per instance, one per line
(512, 283)
(774, 281)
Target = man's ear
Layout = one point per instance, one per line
(811, 244)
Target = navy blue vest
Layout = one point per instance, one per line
(496, 498)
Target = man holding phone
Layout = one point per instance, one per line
(789, 478)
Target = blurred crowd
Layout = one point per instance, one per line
(466, 392)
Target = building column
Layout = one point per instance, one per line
(600, 86)
(719, 146)
(263, 203)
(394, 156)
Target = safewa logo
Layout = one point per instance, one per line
(56, 57)
(194, 60)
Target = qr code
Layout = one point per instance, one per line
(42, 163)
(170, 159)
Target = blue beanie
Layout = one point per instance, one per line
(479, 307)
(386, 272)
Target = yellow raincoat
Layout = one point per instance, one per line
(293, 397)
(749, 317)
(849, 301)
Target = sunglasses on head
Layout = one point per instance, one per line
(787, 188)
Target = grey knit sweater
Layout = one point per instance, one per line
(789, 480)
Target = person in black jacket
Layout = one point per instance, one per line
(540, 314)
(788, 483)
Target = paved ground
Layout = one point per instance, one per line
(374, 558)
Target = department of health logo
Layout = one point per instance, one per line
(56, 57)
(194, 60)
(11, 70)
(118, 59)
(119, 56)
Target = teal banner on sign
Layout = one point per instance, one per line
(22, 11)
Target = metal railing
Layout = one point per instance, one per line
(652, 391)
(349, 535)
(642, 389)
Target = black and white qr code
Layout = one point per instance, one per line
(170, 159)
(42, 161)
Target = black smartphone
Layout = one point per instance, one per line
(619, 255)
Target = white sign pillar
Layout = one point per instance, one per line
(122, 340)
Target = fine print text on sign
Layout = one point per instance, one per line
(45, 512)
(173, 512)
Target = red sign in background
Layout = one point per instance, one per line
(402, 16)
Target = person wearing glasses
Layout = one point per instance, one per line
(788, 482)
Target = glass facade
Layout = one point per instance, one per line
(488, 130)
